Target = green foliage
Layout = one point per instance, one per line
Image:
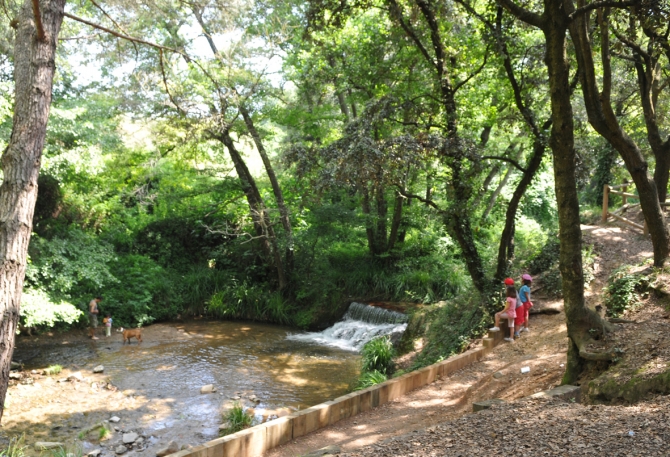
(547, 256)
(452, 328)
(238, 418)
(73, 450)
(53, 370)
(39, 311)
(622, 291)
(377, 355)
(15, 448)
(370, 378)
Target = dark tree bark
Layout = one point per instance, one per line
(554, 23)
(276, 188)
(34, 67)
(604, 121)
(259, 216)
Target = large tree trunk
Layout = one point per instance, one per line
(34, 67)
(276, 188)
(580, 319)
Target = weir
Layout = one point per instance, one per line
(360, 324)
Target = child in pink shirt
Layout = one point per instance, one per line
(508, 313)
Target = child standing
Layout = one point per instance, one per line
(108, 324)
(524, 296)
(508, 313)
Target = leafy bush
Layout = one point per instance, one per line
(53, 370)
(453, 326)
(377, 355)
(621, 292)
(369, 379)
(238, 418)
(547, 257)
(38, 310)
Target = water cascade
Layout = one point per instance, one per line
(360, 324)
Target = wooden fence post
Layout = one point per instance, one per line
(606, 195)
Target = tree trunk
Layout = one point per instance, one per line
(496, 193)
(34, 66)
(397, 219)
(382, 211)
(604, 121)
(580, 319)
(276, 188)
(369, 227)
(505, 249)
(262, 226)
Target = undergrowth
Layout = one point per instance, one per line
(15, 448)
(622, 290)
(238, 418)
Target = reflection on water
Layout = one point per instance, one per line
(175, 360)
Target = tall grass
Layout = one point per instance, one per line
(238, 418)
(15, 448)
(377, 355)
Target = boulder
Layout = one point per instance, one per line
(99, 369)
(114, 419)
(253, 398)
(121, 449)
(46, 445)
(208, 389)
(76, 376)
(129, 438)
(171, 448)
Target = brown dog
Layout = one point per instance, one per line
(131, 333)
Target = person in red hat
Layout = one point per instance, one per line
(509, 312)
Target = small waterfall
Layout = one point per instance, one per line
(360, 324)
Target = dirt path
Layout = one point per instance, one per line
(543, 350)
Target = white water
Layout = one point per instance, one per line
(359, 325)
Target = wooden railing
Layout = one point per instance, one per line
(618, 213)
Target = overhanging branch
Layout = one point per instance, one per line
(602, 4)
(508, 160)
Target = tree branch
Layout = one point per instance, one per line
(38, 20)
(397, 12)
(522, 13)
(602, 4)
(427, 201)
(474, 73)
(116, 24)
(508, 160)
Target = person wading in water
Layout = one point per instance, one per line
(93, 312)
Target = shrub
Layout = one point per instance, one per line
(547, 257)
(621, 291)
(369, 379)
(38, 310)
(53, 370)
(238, 418)
(377, 355)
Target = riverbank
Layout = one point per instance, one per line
(154, 387)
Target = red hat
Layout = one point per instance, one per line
(509, 282)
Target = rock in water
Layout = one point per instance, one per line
(170, 449)
(129, 438)
(99, 369)
(120, 449)
(45, 445)
(208, 389)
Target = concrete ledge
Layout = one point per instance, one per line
(567, 393)
(254, 441)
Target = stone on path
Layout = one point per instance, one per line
(486, 404)
(121, 449)
(99, 369)
(208, 389)
(328, 450)
(45, 445)
(76, 376)
(129, 438)
(94, 453)
(14, 375)
(567, 393)
(114, 419)
(498, 374)
(171, 448)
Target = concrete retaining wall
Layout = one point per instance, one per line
(254, 441)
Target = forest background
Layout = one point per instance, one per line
(278, 160)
